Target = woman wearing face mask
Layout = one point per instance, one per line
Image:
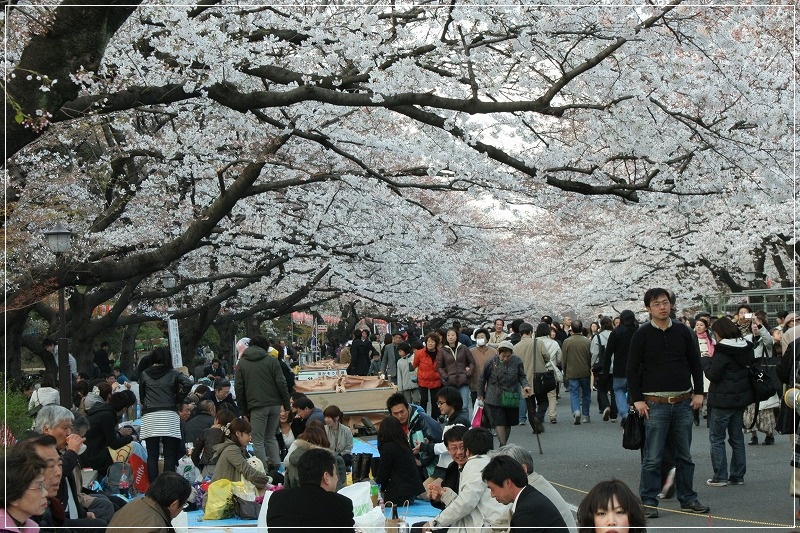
(482, 352)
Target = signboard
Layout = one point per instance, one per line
(321, 328)
(175, 343)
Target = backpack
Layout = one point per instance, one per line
(118, 472)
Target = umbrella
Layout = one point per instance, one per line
(536, 424)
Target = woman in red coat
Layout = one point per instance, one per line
(428, 377)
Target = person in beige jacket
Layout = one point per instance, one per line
(534, 355)
(472, 510)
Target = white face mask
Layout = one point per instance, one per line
(481, 341)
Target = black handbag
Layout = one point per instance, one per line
(633, 431)
(246, 509)
(545, 382)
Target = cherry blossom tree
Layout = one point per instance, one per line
(442, 159)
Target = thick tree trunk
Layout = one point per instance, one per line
(128, 348)
(13, 328)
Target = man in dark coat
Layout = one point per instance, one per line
(315, 502)
(361, 353)
(508, 483)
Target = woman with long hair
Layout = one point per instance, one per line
(286, 433)
(456, 365)
(611, 506)
(231, 456)
(161, 390)
(103, 434)
(397, 473)
(428, 377)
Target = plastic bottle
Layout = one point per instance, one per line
(124, 485)
(374, 492)
(381, 503)
(138, 411)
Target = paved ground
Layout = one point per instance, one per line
(576, 457)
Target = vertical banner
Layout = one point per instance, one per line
(175, 342)
(314, 347)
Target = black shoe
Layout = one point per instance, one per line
(651, 513)
(769, 440)
(753, 441)
(695, 507)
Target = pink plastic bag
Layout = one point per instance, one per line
(477, 415)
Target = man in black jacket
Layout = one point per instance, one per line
(315, 502)
(221, 396)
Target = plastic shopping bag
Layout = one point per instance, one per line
(219, 500)
(359, 495)
(188, 470)
(477, 416)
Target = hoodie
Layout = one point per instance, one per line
(260, 381)
(727, 371)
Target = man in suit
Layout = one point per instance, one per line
(530, 509)
(315, 502)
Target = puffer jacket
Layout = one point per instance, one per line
(456, 368)
(162, 389)
(260, 381)
(730, 384)
(427, 375)
(291, 477)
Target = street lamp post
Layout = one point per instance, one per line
(170, 281)
(58, 240)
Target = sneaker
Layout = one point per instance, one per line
(606, 414)
(695, 507)
(753, 441)
(651, 513)
(614, 420)
(553, 420)
(735, 482)
(717, 483)
(585, 419)
(769, 440)
(577, 416)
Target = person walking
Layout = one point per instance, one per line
(576, 359)
(663, 363)
(499, 381)
(261, 391)
(619, 342)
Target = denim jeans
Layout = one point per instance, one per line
(264, 421)
(580, 395)
(523, 408)
(465, 397)
(621, 395)
(721, 421)
(668, 425)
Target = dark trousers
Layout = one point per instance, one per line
(604, 390)
(171, 447)
(423, 394)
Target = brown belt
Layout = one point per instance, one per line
(668, 399)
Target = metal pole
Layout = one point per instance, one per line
(64, 373)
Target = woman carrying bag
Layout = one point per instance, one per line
(497, 389)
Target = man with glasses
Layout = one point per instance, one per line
(663, 363)
(167, 496)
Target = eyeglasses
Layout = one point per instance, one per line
(39, 486)
(662, 303)
(441, 403)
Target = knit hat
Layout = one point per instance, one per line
(505, 345)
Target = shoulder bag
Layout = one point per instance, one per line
(544, 382)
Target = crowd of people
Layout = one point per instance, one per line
(669, 371)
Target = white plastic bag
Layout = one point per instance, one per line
(187, 469)
(372, 522)
(556, 371)
(359, 495)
